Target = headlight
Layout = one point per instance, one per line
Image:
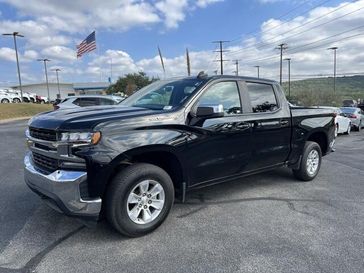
(81, 138)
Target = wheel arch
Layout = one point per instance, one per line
(163, 156)
(320, 137)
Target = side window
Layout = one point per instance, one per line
(262, 97)
(84, 102)
(106, 101)
(225, 93)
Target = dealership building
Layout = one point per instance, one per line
(66, 89)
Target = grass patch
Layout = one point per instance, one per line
(18, 110)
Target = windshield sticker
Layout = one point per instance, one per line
(168, 107)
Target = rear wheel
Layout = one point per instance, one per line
(5, 101)
(139, 199)
(310, 163)
(16, 100)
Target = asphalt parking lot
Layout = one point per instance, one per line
(264, 223)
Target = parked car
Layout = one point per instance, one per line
(356, 115)
(86, 100)
(41, 99)
(13, 95)
(32, 97)
(128, 161)
(343, 124)
(4, 98)
(350, 103)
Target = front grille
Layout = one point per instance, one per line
(45, 162)
(43, 134)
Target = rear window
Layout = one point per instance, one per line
(348, 110)
(262, 97)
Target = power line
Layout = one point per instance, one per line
(280, 17)
(308, 22)
(322, 24)
(294, 49)
(221, 51)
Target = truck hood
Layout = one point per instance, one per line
(86, 118)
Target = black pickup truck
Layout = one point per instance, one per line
(128, 162)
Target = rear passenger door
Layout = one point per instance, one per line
(270, 117)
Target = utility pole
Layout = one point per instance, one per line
(46, 74)
(221, 51)
(281, 47)
(16, 34)
(289, 77)
(59, 91)
(188, 62)
(334, 49)
(258, 70)
(236, 67)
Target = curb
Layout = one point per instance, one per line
(3, 121)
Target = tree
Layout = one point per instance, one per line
(130, 83)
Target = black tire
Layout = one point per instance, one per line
(5, 101)
(32, 100)
(42, 102)
(16, 100)
(302, 173)
(119, 189)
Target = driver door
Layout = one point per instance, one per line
(223, 147)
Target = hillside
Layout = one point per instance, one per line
(320, 90)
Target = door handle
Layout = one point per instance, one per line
(284, 122)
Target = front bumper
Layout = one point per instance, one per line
(61, 190)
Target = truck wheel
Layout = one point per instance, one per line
(16, 100)
(5, 101)
(311, 162)
(139, 199)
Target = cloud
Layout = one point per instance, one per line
(205, 3)
(173, 11)
(60, 53)
(7, 54)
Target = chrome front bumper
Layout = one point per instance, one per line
(62, 189)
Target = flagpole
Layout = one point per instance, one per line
(162, 62)
(98, 53)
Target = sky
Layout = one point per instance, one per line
(128, 33)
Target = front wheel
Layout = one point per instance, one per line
(16, 100)
(139, 199)
(310, 163)
(5, 101)
(348, 130)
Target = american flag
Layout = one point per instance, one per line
(87, 45)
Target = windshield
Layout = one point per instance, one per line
(164, 94)
(348, 110)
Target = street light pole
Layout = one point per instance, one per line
(289, 77)
(46, 74)
(16, 34)
(258, 70)
(334, 49)
(59, 92)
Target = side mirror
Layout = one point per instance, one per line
(209, 111)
